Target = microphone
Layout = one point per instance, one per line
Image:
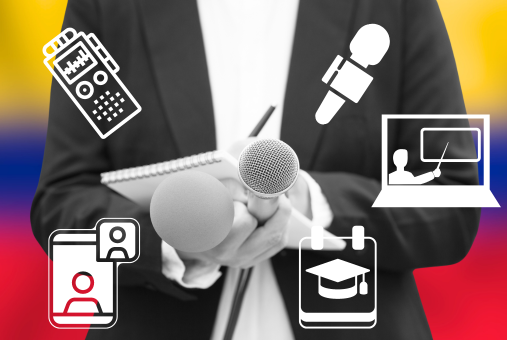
(192, 211)
(368, 47)
(268, 168)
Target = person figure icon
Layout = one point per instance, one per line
(400, 176)
(83, 302)
(117, 235)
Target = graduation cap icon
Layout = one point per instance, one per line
(338, 271)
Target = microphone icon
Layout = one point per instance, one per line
(368, 47)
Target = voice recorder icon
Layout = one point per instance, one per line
(343, 302)
(88, 74)
(368, 47)
(83, 272)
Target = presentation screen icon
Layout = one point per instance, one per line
(88, 74)
(83, 282)
(429, 135)
(423, 178)
(345, 288)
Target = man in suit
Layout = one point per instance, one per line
(163, 60)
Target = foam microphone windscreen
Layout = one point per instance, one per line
(192, 211)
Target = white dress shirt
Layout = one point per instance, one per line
(248, 45)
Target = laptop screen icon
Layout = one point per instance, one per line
(421, 170)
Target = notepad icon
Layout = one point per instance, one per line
(340, 292)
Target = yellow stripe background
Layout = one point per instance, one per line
(478, 31)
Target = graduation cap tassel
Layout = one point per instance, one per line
(363, 287)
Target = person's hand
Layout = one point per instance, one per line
(246, 245)
(237, 190)
(437, 172)
(236, 148)
(299, 196)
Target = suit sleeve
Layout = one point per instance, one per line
(70, 195)
(410, 238)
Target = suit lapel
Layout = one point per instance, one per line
(322, 32)
(176, 48)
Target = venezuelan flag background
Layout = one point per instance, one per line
(464, 301)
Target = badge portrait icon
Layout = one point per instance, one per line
(338, 293)
(424, 179)
(117, 239)
(83, 272)
(88, 74)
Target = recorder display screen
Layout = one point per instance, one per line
(74, 63)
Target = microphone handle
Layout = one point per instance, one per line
(262, 208)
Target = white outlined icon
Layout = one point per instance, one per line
(399, 191)
(368, 47)
(338, 271)
(342, 302)
(83, 267)
(88, 74)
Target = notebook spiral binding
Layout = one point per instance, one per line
(162, 168)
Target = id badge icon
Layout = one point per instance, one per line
(338, 289)
(83, 267)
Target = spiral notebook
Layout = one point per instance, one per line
(139, 183)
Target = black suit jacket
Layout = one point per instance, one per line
(158, 45)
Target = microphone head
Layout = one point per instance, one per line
(268, 167)
(192, 211)
(369, 45)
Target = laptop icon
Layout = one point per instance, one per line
(428, 177)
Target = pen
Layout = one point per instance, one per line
(257, 129)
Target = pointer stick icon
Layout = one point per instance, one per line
(438, 167)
